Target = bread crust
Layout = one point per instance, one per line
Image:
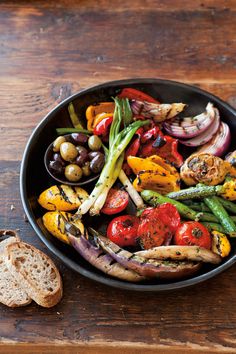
(11, 293)
(17, 254)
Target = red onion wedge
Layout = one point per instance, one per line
(207, 135)
(158, 112)
(219, 143)
(190, 127)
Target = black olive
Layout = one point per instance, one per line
(56, 167)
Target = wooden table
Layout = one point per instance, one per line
(51, 49)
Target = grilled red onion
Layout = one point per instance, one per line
(159, 112)
(207, 135)
(219, 143)
(190, 127)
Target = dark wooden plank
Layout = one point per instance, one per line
(84, 41)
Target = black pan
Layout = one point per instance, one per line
(34, 178)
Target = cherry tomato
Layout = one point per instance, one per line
(193, 233)
(169, 215)
(123, 230)
(152, 231)
(117, 200)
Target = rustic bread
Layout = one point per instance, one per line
(35, 272)
(11, 294)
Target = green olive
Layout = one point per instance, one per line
(68, 151)
(73, 173)
(94, 143)
(57, 143)
(86, 169)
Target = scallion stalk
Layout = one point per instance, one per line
(118, 141)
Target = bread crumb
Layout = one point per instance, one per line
(12, 207)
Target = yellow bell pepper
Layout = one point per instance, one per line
(220, 244)
(54, 223)
(228, 190)
(94, 110)
(139, 164)
(161, 162)
(155, 174)
(155, 181)
(62, 198)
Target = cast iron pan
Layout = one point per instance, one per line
(34, 178)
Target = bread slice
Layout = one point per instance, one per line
(11, 293)
(35, 272)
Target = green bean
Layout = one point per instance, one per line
(213, 226)
(196, 206)
(228, 205)
(218, 210)
(61, 131)
(200, 191)
(154, 198)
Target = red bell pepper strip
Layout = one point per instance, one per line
(168, 151)
(133, 94)
(102, 127)
(151, 134)
(133, 148)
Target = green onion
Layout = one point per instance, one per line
(118, 141)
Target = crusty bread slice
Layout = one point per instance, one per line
(35, 272)
(11, 293)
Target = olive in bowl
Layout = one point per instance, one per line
(75, 159)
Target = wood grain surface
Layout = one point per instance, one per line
(49, 50)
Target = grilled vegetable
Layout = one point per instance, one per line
(93, 111)
(218, 210)
(193, 192)
(77, 123)
(228, 190)
(116, 201)
(180, 253)
(154, 199)
(158, 112)
(123, 230)
(118, 141)
(190, 127)
(204, 168)
(220, 244)
(102, 261)
(207, 135)
(143, 266)
(196, 205)
(152, 230)
(192, 233)
(219, 143)
(62, 197)
(228, 205)
(212, 226)
(133, 94)
(151, 175)
(54, 221)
